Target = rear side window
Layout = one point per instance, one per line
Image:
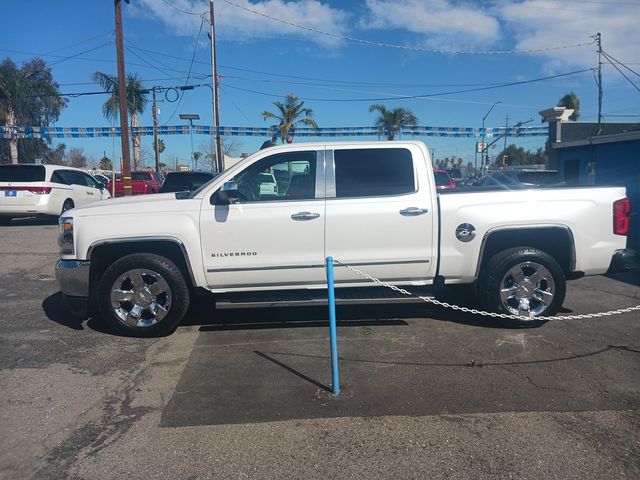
(193, 180)
(22, 173)
(442, 178)
(540, 178)
(140, 176)
(373, 172)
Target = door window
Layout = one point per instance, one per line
(373, 172)
(90, 181)
(280, 177)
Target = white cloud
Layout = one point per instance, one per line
(439, 22)
(537, 24)
(236, 24)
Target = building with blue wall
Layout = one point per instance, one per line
(597, 154)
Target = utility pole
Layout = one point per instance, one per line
(154, 111)
(214, 91)
(122, 93)
(599, 43)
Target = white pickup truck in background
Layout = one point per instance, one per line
(371, 205)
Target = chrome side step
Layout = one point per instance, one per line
(306, 298)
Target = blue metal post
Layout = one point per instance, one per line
(335, 380)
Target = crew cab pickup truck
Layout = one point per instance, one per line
(373, 206)
(142, 182)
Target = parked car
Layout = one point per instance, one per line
(142, 182)
(103, 179)
(185, 181)
(521, 179)
(28, 190)
(374, 207)
(443, 180)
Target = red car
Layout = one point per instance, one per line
(142, 182)
(443, 180)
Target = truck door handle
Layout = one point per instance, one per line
(304, 216)
(413, 211)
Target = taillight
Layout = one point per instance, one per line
(36, 190)
(621, 219)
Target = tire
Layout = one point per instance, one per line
(143, 295)
(523, 281)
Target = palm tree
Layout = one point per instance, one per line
(136, 102)
(10, 88)
(391, 121)
(16, 86)
(290, 112)
(571, 100)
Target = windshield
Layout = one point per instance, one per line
(22, 173)
(140, 176)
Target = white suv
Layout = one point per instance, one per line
(28, 190)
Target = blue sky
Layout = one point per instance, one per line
(337, 76)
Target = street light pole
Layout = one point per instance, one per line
(483, 156)
(190, 117)
(122, 93)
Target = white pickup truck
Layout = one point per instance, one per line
(370, 205)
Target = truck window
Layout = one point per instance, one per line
(373, 172)
(283, 176)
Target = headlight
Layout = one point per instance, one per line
(65, 235)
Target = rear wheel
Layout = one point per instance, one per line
(143, 295)
(523, 281)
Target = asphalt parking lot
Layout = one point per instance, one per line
(427, 393)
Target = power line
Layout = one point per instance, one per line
(91, 59)
(402, 47)
(186, 12)
(622, 64)
(80, 42)
(146, 61)
(193, 57)
(621, 72)
(431, 95)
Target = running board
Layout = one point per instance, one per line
(309, 298)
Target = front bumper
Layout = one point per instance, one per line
(624, 260)
(73, 278)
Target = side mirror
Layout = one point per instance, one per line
(228, 193)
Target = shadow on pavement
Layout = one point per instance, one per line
(632, 277)
(31, 221)
(55, 310)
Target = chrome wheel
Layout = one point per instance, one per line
(527, 289)
(140, 297)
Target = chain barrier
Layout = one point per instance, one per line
(474, 311)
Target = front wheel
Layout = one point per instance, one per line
(523, 281)
(143, 295)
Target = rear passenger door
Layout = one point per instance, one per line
(379, 213)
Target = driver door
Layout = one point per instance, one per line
(274, 235)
